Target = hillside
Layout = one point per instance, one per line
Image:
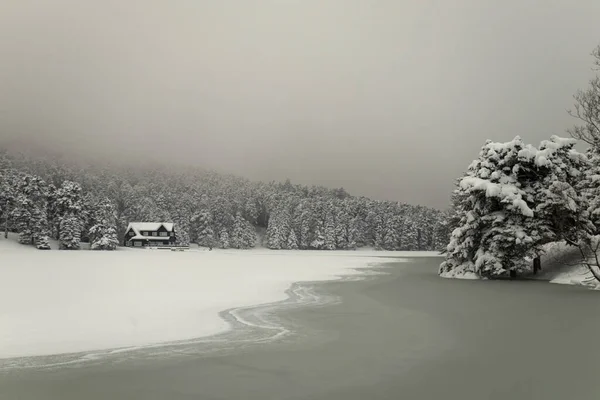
(208, 208)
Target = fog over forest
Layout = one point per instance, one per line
(388, 99)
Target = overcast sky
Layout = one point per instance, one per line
(389, 99)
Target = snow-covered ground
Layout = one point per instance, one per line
(562, 264)
(55, 302)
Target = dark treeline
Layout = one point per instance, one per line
(71, 202)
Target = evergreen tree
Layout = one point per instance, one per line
(497, 200)
(103, 232)
(29, 212)
(248, 235)
(292, 242)
(353, 233)
(410, 236)
(8, 196)
(342, 222)
(224, 239)
(70, 232)
(274, 234)
(390, 237)
(318, 241)
(238, 239)
(203, 225)
(494, 208)
(69, 214)
(329, 234)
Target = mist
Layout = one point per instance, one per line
(388, 99)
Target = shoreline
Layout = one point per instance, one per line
(247, 325)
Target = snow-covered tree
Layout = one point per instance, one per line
(248, 235)
(242, 236)
(318, 239)
(224, 239)
(70, 232)
(29, 212)
(495, 231)
(202, 223)
(513, 199)
(8, 194)
(390, 235)
(292, 242)
(561, 207)
(69, 209)
(103, 232)
(329, 233)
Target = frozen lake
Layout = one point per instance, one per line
(407, 335)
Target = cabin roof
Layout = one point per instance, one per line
(138, 227)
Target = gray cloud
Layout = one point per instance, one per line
(389, 99)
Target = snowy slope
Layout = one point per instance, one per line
(562, 264)
(55, 302)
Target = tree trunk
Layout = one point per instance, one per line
(537, 265)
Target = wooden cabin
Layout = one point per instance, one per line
(150, 234)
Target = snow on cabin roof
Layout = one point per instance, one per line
(149, 226)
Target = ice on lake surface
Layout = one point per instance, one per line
(74, 302)
(403, 334)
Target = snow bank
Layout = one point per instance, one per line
(54, 302)
(459, 274)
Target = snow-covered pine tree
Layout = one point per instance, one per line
(251, 210)
(498, 197)
(70, 232)
(203, 225)
(103, 232)
(183, 229)
(69, 206)
(378, 233)
(292, 242)
(274, 234)
(561, 206)
(248, 235)
(442, 232)
(237, 234)
(329, 233)
(390, 237)
(342, 226)
(353, 233)
(29, 212)
(303, 225)
(22, 217)
(52, 211)
(8, 195)
(224, 239)
(318, 239)
(278, 229)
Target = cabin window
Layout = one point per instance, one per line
(154, 233)
(164, 234)
(137, 243)
(131, 233)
